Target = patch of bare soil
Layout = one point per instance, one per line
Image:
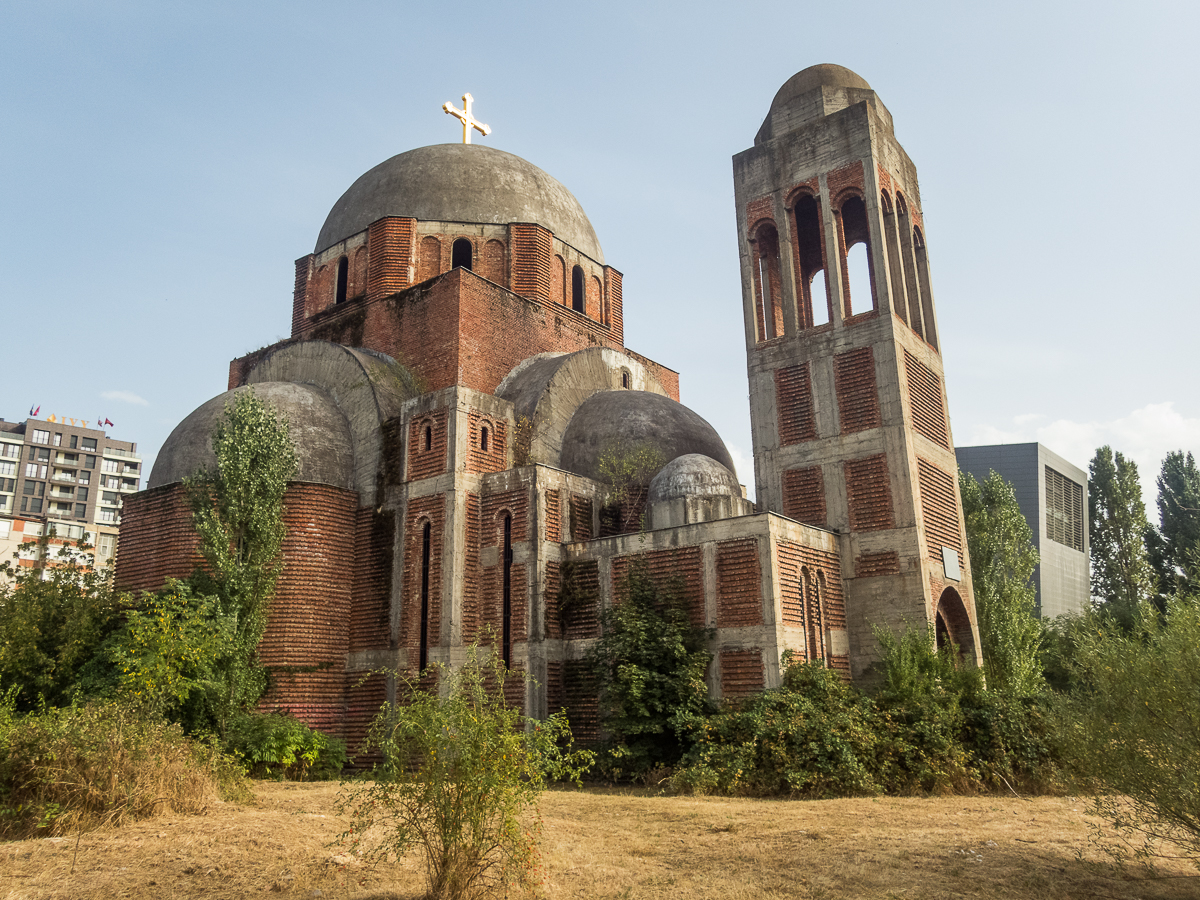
(619, 844)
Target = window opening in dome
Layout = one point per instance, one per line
(857, 248)
(506, 636)
(625, 378)
(483, 439)
(460, 254)
(428, 437)
(425, 552)
(814, 301)
(343, 277)
(577, 289)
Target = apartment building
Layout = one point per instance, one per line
(60, 477)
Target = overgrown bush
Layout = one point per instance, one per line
(102, 764)
(812, 737)
(460, 774)
(649, 664)
(1132, 723)
(275, 745)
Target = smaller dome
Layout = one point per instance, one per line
(820, 75)
(324, 450)
(636, 419)
(693, 475)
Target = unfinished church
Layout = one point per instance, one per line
(456, 373)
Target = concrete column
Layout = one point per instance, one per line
(834, 264)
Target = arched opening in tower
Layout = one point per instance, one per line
(857, 247)
(460, 254)
(767, 278)
(814, 297)
(953, 624)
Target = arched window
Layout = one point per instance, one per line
(483, 439)
(428, 437)
(769, 305)
(952, 623)
(926, 294)
(343, 279)
(857, 248)
(506, 600)
(814, 299)
(891, 238)
(426, 546)
(460, 254)
(577, 300)
(912, 288)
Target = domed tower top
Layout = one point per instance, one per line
(814, 93)
(466, 183)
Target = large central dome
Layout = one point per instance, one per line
(461, 183)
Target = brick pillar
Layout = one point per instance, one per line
(300, 293)
(390, 256)
(532, 250)
(616, 318)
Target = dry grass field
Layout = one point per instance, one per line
(617, 844)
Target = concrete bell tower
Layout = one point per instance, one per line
(847, 393)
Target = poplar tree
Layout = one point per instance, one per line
(237, 510)
(1174, 548)
(1002, 562)
(1122, 577)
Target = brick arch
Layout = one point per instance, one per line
(358, 273)
(766, 247)
(885, 200)
(953, 623)
(794, 195)
(558, 281)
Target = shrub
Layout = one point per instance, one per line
(459, 772)
(649, 664)
(276, 745)
(102, 764)
(1133, 724)
(814, 737)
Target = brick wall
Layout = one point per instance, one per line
(881, 562)
(804, 495)
(739, 584)
(857, 397)
(308, 629)
(471, 570)
(553, 516)
(742, 672)
(679, 571)
(156, 539)
(390, 247)
(581, 518)
(422, 462)
(794, 401)
(581, 618)
(495, 457)
(432, 508)
(925, 400)
(940, 507)
(370, 608)
(869, 493)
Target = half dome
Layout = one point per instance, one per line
(461, 183)
(324, 450)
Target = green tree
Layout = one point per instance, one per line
(1174, 547)
(1133, 723)
(627, 470)
(649, 664)
(1122, 578)
(1002, 562)
(53, 617)
(238, 511)
(460, 771)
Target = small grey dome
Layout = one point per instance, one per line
(821, 75)
(636, 418)
(324, 450)
(693, 475)
(461, 183)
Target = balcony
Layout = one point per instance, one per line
(68, 477)
(113, 451)
(60, 459)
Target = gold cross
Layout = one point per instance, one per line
(468, 120)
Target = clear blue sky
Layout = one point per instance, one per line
(164, 164)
